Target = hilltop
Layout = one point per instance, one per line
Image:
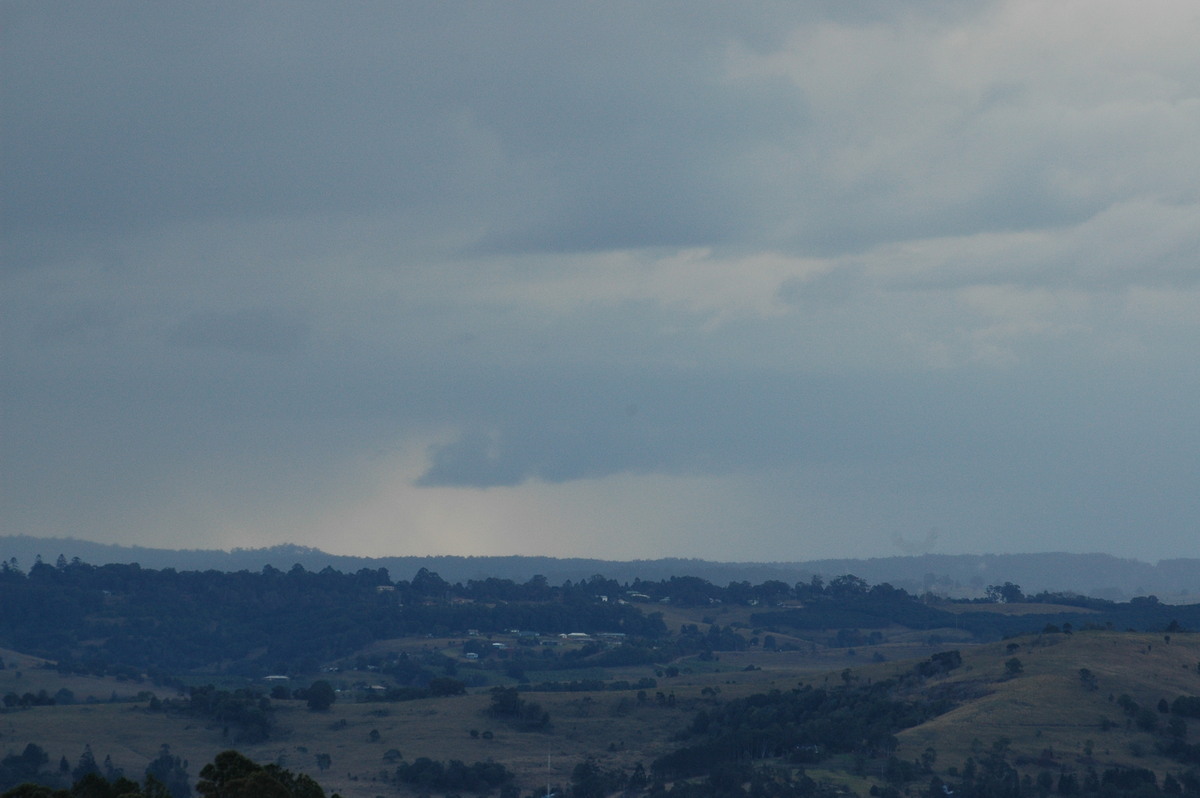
(959, 576)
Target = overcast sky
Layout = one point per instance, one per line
(740, 281)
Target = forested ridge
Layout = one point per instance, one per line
(120, 616)
(165, 620)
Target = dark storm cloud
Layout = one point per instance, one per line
(559, 425)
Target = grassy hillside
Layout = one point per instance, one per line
(1050, 717)
(1048, 707)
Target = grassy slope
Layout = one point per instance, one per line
(1046, 707)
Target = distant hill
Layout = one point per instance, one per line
(958, 575)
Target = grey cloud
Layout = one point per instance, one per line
(472, 460)
(249, 246)
(442, 112)
(77, 323)
(251, 330)
(557, 426)
(834, 287)
(1136, 243)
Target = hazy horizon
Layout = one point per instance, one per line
(749, 283)
(50, 554)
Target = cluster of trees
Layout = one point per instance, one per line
(850, 604)
(991, 775)
(524, 715)
(1172, 729)
(39, 699)
(245, 714)
(22, 767)
(726, 779)
(590, 685)
(319, 696)
(232, 775)
(229, 775)
(454, 776)
(803, 725)
(168, 620)
(591, 780)
(161, 621)
(27, 774)
(725, 744)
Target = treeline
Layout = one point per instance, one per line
(245, 715)
(1166, 721)
(850, 604)
(425, 774)
(130, 622)
(991, 775)
(758, 746)
(141, 621)
(30, 774)
(804, 725)
(229, 775)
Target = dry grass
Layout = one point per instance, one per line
(1046, 707)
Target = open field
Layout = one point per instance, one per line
(1048, 715)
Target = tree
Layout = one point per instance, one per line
(228, 768)
(87, 764)
(445, 685)
(1013, 667)
(847, 585)
(170, 772)
(1008, 593)
(320, 696)
(427, 583)
(153, 788)
(527, 715)
(505, 702)
(24, 766)
(232, 775)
